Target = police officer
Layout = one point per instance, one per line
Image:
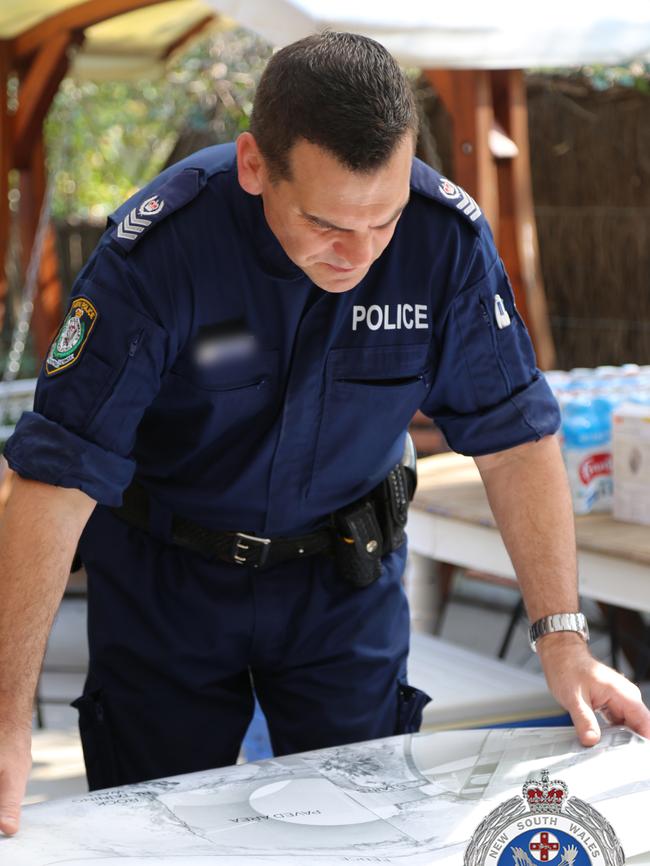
(219, 423)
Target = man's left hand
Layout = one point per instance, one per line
(583, 685)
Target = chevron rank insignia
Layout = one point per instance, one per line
(135, 218)
(464, 202)
(138, 218)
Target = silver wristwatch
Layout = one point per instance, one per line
(558, 622)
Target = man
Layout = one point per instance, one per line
(238, 366)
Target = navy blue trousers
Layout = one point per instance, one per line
(177, 643)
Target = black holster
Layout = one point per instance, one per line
(374, 526)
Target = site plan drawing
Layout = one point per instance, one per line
(410, 800)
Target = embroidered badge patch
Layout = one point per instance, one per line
(466, 204)
(73, 336)
(151, 206)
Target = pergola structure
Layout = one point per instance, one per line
(38, 39)
(473, 56)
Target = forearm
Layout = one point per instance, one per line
(531, 502)
(39, 531)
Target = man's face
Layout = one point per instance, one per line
(332, 222)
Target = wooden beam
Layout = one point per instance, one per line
(77, 17)
(467, 96)
(37, 90)
(199, 27)
(6, 161)
(518, 243)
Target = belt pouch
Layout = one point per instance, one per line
(358, 544)
(392, 503)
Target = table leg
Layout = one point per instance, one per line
(428, 585)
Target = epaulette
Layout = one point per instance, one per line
(148, 208)
(433, 185)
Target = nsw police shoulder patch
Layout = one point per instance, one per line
(72, 337)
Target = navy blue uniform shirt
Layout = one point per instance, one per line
(200, 359)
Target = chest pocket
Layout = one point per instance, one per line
(219, 403)
(371, 394)
(237, 374)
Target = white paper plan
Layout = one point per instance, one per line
(410, 800)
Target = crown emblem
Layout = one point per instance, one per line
(544, 796)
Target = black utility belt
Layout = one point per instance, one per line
(357, 536)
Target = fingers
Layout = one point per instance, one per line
(585, 722)
(627, 708)
(637, 717)
(12, 791)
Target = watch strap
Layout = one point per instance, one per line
(576, 622)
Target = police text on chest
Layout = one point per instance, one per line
(390, 317)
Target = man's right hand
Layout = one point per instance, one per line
(15, 765)
(39, 531)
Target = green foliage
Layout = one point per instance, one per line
(635, 75)
(105, 140)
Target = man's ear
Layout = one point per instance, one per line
(251, 169)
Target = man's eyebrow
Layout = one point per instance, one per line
(319, 221)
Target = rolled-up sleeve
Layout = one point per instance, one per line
(82, 430)
(43, 450)
(487, 393)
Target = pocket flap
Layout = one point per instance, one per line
(378, 362)
(230, 373)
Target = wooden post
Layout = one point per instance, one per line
(478, 102)
(39, 83)
(47, 303)
(518, 243)
(5, 167)
(467, 96)
(38, 87)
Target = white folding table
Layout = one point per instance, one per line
(450, 521)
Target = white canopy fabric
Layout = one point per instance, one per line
(136, 45)
(469, 35)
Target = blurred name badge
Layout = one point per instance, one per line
(224, 343)
(544, 825)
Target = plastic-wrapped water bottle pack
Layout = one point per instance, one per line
(588, 399)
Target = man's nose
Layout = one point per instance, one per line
(355, 249)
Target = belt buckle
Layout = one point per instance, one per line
(250, 549)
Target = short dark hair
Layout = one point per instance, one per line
(341, 91)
